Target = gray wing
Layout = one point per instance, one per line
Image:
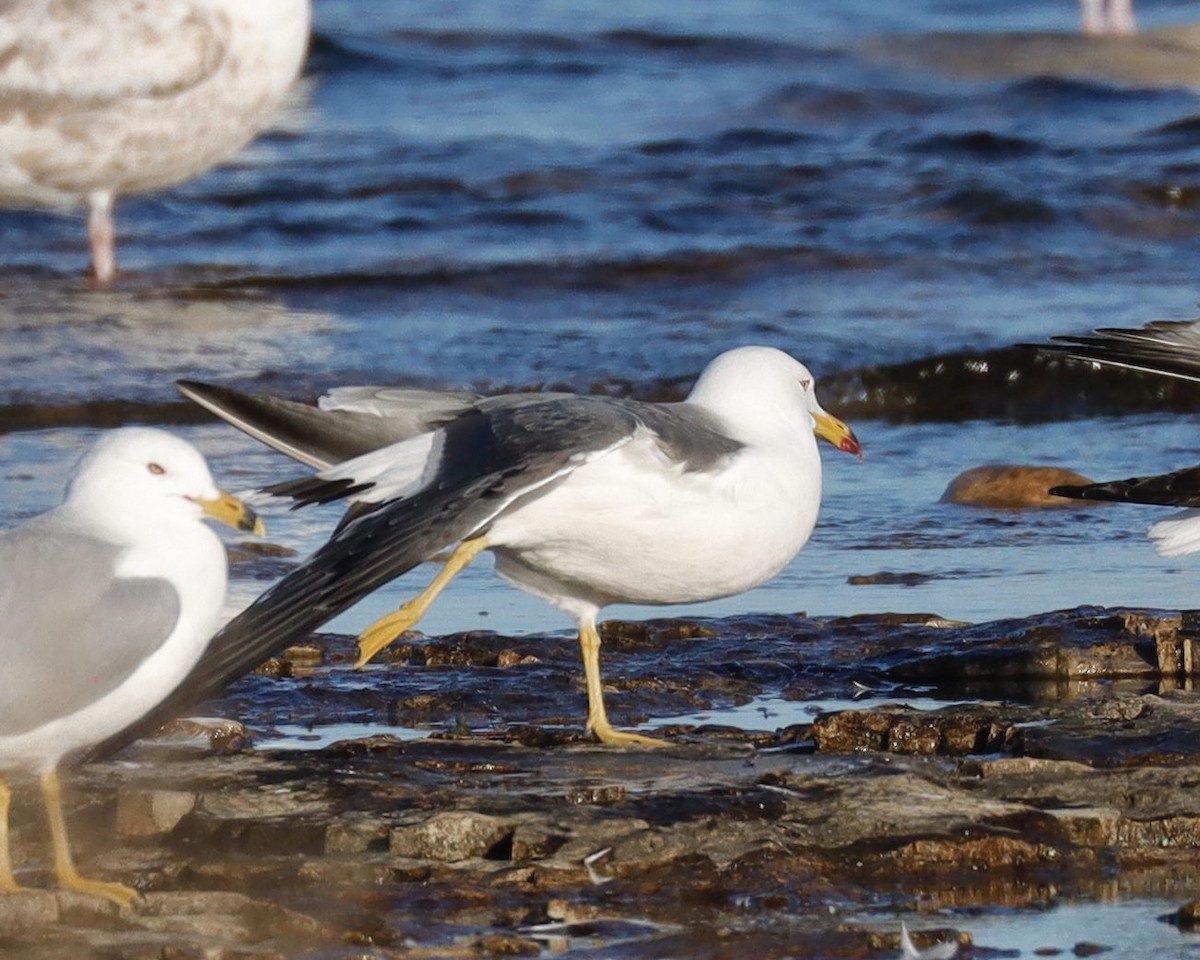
(351, 421)
(688, 435)
(354, 422)
(486, 460)
(88, 52)
(1167, 347)
(71, 632)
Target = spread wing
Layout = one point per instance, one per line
(479, 465)
(350, 422)
(444, 486)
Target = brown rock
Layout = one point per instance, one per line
(509, 945)
(213, 915)
(26, 912)
(1012, 486)
(852, 730)
(350, 834)
(145, 813)
(1188, 916)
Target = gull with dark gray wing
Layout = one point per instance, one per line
(584, 501)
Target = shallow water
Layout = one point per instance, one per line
(606, 195)
(1070, 929)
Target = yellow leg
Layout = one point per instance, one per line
(8, 883)
(64, 866)
(597, 718)
(386, 629)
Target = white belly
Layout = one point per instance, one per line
(627, 528)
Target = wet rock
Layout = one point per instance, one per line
(304, 655)
(27, 912)
(1010, 486)
(452, 836)
(221, 915)
(152, 812)
(902, 730)
(888, 578)
(502, 945)
(356, 834)
(1187, 917)
(261, 552)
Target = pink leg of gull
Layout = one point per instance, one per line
(1107, 17)
(1120, 17)
(102, 236)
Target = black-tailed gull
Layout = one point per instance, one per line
(1170, 348)
(585, 501)
(107, 601)
(100, 98)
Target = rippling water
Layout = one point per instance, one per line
(603, 196)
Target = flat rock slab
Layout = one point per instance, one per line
(512, 835)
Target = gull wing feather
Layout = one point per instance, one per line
(487, 461)
(1180, 488)
(1172, 537)
(1167, 347)
(418, 410)
(316, 437)
(73, 631)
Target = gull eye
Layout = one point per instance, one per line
(157, 469)
(805, 384)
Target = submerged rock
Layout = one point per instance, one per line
(1008, 486)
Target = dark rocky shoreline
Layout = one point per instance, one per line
(1064, 766)
(1018, 384)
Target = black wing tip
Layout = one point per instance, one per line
(1094, 492)
(315, 490)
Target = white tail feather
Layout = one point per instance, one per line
(1177, 536)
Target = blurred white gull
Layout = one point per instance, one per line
(101, 98)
